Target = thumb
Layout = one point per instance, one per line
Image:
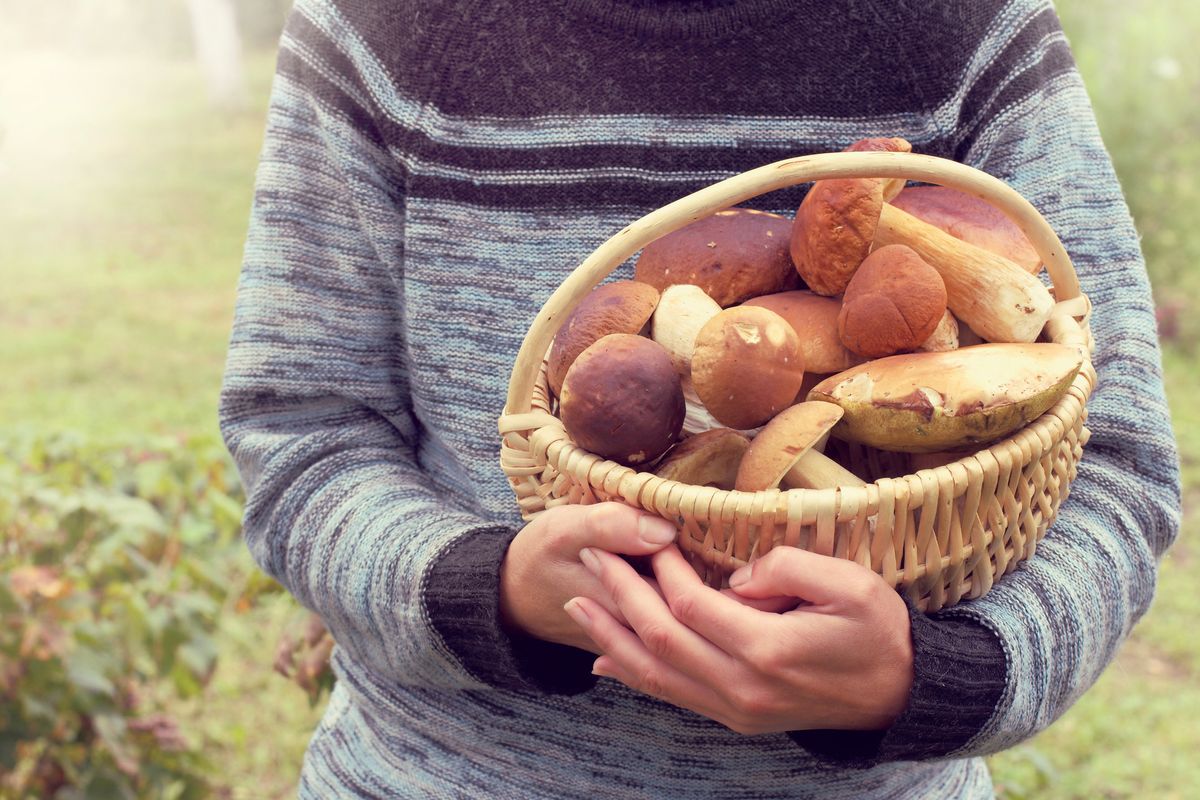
(617, 528)
(793, 572)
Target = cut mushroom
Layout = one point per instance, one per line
(711, 458)
(788, 451)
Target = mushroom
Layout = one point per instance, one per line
(789, 451)
(619, 307)
(732, 255)
(707, 459)
(623, 400)
(840, 220)
(747, 366)
(814, 319)
(967, 217)
(999, 299)
(681, 313)
(944, 336)
(928, 402)
(892, 304)
(891, 186)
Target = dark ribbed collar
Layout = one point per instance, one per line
(679, 19)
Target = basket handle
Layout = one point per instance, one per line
(768, 178)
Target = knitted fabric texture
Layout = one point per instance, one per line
(432, 171)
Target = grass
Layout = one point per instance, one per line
(123, 202)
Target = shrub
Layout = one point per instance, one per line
(114, 569)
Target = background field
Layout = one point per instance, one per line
(123, 202)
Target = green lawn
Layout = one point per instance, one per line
(123, 202)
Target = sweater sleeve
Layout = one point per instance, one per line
(1063, 616)
(996, 671)
(315, 405)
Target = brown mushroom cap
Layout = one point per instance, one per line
(966, 217)
(815, 320)
(619, 307)
(835, 224)
(623, 400)
(706, 459)
(927, 402)
(892, 304)
(786, 439)
(833, 231)
(747, 366)
(732, 255)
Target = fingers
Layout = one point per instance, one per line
(614, 527)
(660, 633)
(627, 659)
(790, 571)
(725, 622)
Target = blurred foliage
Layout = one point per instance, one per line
(147, 632)
(117, 564)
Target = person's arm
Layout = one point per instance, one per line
(998, 670)
(341, 508)
(991, 672)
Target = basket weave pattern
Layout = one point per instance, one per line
(940, 535)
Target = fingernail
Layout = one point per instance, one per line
(598, 670)
(575, 611)
(739, 577)
(656, 531)
(589, 560)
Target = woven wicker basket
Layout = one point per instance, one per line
(939, 535)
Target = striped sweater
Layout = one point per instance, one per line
(433, 170)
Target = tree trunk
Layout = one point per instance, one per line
(219, 51)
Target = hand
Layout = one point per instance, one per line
(841, 660)
(541, 569)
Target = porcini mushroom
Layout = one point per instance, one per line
(892, 304)
(841, 220)
(835, 224)
(618, 307)
(814, 319)
(732, 255)
(789, 451)
(747, 366)
(711, 458)
(928, 402)
(681, 313)
(623, 400)
(999, 299)
(894, 144)
(967, 217)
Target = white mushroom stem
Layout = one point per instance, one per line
(817, 471)
(993, 295)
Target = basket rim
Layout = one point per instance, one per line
(551, 438)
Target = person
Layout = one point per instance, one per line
(431, 172)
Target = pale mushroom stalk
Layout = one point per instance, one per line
(998, 298)
(817, 471)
